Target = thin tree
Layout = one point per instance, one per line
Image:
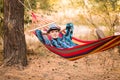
(14, 38)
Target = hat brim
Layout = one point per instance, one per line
(53, 29)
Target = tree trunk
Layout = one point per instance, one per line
(14, 38)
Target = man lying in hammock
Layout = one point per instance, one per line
(59, 42)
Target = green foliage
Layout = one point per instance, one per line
(1, 18)
(1, 5)
(33, 4)
(111, 5)
(41, 4)
(105, 11)
(44, 4)
(95, 12)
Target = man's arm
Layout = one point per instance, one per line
(39, 35)
(69, 30)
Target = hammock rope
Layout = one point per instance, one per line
(29, 9)
(41, 27)
(29, 5)
(44, 22)
(40, 22)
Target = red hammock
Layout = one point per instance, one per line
(85, 47)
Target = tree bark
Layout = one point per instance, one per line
(14, 38)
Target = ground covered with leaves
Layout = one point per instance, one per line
(45, 65)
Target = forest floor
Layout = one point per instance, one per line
(52, 67)
(44, 65)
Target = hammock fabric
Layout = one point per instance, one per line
(85, 47)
